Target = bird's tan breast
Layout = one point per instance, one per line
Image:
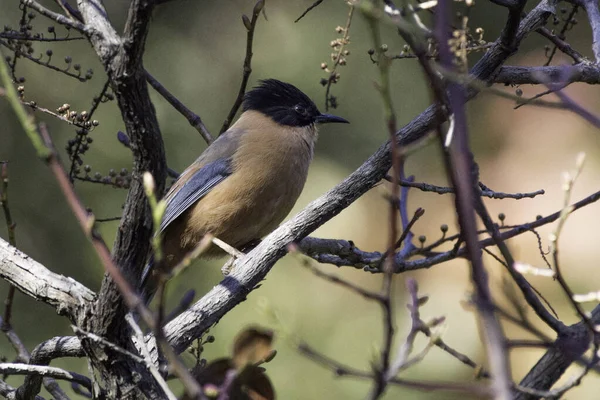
(269, 172)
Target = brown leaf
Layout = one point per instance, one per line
(251, 346)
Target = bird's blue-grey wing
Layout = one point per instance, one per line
(196, 187)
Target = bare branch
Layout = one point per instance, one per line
(247, 70)
(583, 72)
(61, 19)
(57, 347)
(194, 119)
(9, 392)
(35, 280)
(53, 372)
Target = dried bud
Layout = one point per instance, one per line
(258, 7)
(246, 22)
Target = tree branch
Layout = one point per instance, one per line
(583, 72)
(65, 294)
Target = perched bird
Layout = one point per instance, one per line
(247, 181)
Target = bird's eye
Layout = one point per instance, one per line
(299, 109)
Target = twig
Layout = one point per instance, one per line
(9, 392)
(14, 35)
(402, 361)
(309, 9)
(75, 153)
(44, 64)
(381, 377)
(338, 56)
(61, 19)
(306, 262)
(147, 358)
(15, 341)
(459, 167)
(574, 106)
(486, 192)
(194, 119)
(342, 370)
(555, 236)
(533, 98)
(247, 70)
(558, 40)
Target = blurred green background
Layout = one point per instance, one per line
(196, 50)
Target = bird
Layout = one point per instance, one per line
(247, 181)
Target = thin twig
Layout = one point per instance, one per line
(485, 192)
(307, 263)
(147, 358)
(342, 370)
(339, 55)
(313, 5)
(194, 119)
(247, 69)
(61, 19)
(459, 165)
(44, 64)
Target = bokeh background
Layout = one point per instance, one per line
(196, 50)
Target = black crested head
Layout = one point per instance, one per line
(285, 104)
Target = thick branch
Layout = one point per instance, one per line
(53, 372)
(57, 347)
(65, 294)
(591, 7)
(584, 72)
(122, 59)
(569, 347)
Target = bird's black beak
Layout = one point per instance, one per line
(327, 118)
